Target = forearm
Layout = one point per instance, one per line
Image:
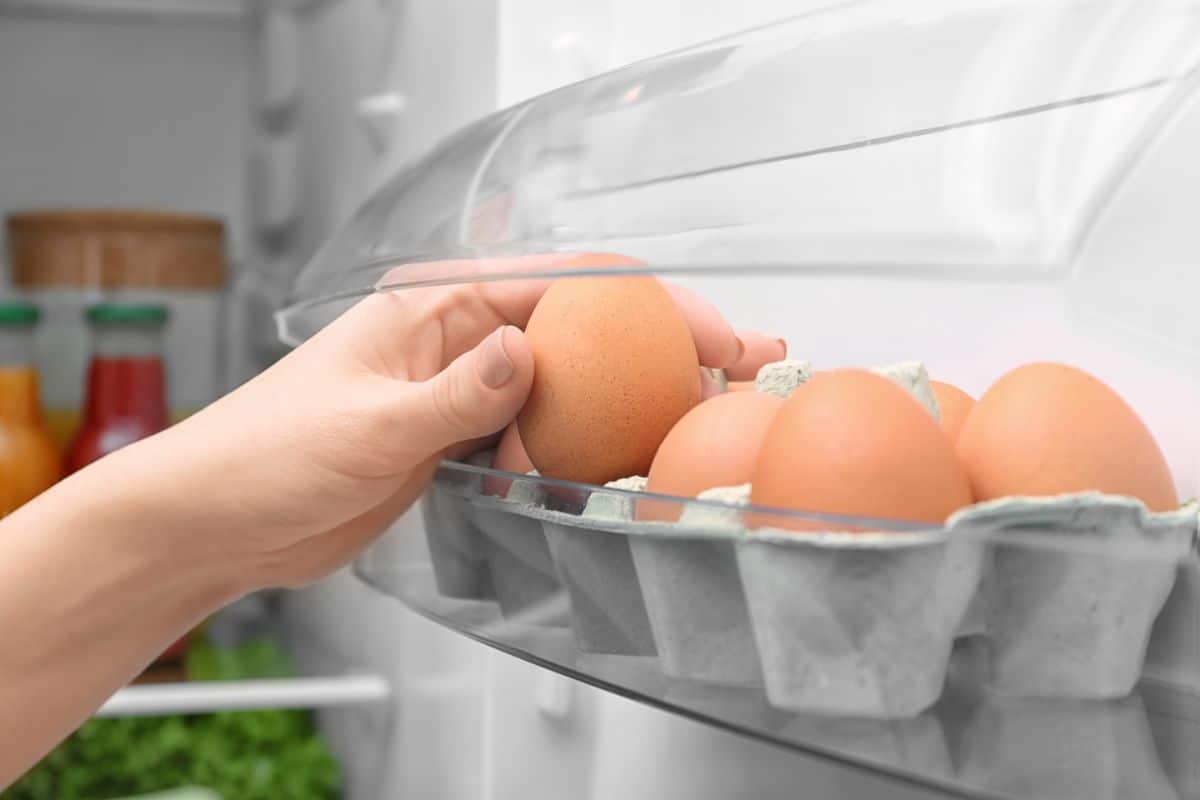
(97, 576)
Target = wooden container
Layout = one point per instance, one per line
(114, 249)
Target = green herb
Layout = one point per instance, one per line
(255, 755)
(261, 658)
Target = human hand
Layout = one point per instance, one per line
(309, 461)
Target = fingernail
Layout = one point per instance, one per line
(494, 366)
(741, 350)
(783, 344)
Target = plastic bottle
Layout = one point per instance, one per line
(29, 460)
(126, 381)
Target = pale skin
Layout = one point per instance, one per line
(277, 484)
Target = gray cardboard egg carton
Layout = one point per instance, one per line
(483, 548)
(1072, 588)
(1065, 590)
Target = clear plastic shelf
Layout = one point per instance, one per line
(542, 578)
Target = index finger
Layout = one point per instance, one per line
(506, 286)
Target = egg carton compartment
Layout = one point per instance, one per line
(523, 577)
(857, 624)
(457, 549)
(697, 608)
(693, 591)
(1073, 588)
(592, 554)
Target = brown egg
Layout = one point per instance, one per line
(510, 457)
(953, 405)
(852, 442)
(1046, 429)
(615, 367)
(739, 386)
(714, 444)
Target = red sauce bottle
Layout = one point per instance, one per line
(126, 390)
(126, 381)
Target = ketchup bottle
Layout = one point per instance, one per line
(126, 381)
(29, 462)
(126, 390)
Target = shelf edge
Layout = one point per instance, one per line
(205, 697)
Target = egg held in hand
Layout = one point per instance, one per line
(854, 443)
(615, 367)
(714, 444)
(1047, 429)
(953, 406)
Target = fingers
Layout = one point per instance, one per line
(716, 344)
(502, 285)
(478, 394)
(510, 297)
(760, 349)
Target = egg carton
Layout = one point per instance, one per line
(1074, 585)
(816, 618)
(857, 623)
(456, 547)
(523, 577)
(593, 558)
(694, 595)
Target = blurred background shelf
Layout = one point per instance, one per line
(202, 697)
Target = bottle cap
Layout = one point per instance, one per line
(143, 314)
(18, 312)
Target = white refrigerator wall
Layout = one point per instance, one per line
(114, 110)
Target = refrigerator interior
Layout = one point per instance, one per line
(282, 117)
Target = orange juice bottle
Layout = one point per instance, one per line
(29, 460)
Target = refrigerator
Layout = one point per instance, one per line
(970, 186)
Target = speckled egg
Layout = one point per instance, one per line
(615, 367)
(854, 443)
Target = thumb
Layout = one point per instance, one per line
(479, 393)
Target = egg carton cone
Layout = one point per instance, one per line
(1074, 586)
(1069, 749)
(852, 624)
(595, 565)
(917, 745)
(1173, 656)
(974, 622)
(456, 547)
(522, 571)
(693, 591)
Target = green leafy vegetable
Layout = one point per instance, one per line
(255, 755)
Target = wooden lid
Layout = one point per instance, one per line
(115, 248)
